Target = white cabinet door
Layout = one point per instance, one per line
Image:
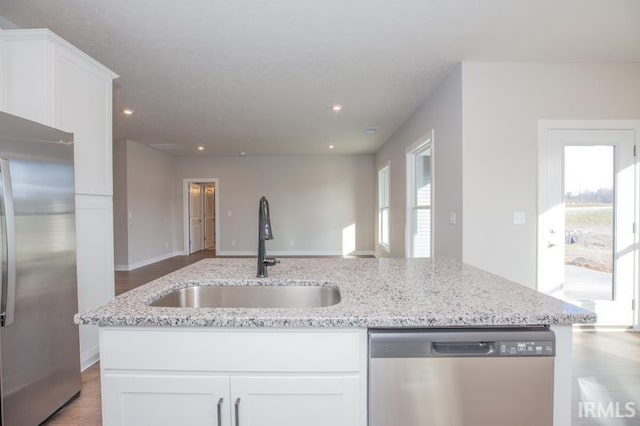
(295, 401)
(26, 78)
(45, 79)
(131, 399)
(83, 106)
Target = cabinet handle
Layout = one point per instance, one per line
(237, 408)
(220, 411)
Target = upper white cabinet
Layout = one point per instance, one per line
(46, 79)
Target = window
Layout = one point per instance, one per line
(383, 207)
(419, 198)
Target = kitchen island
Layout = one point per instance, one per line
(282, 366)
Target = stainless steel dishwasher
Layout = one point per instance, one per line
(461, 377)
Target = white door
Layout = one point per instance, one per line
(296, 401)
(196, 230)
(165, 399)
(209, 216)
(587, 246)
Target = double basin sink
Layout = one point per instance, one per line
(251, 296)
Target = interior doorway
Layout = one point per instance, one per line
(588, 210)
(200, 209)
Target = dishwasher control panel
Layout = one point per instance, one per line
(447, 343)
(524, 348)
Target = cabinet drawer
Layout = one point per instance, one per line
(232, 350)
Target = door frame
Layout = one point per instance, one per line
(543, 141)
(185, 210)
(195, 192)
(211, 242)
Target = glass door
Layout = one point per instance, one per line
(586, 237)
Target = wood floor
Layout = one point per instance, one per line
(606, 376)
(125, 281)
(606, 365)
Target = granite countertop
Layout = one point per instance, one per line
(375, 293)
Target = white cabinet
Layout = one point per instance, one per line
(165, 399)
(174, 398)
(45, 79)
(168, 376)
(293, 401)
(84, 108)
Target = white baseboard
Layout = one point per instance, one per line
(89, 357)
(294, 253)
(140, 264)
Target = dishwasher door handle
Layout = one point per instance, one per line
(463, 348)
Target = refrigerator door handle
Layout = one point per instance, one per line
(8, 276)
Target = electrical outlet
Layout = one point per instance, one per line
(233, 242)
(452, 218)
(519, 218)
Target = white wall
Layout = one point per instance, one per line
(441, 111)
(151, 231)
(502, 103)
(312, 199)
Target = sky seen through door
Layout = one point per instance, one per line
(585, 170)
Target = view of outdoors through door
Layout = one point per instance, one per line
(587, 245)
(589, 222)
(419, 201)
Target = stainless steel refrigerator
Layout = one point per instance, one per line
(39, 349)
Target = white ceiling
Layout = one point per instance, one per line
(260, 76)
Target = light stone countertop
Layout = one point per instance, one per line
(375, 293)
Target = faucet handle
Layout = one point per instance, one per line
(270, 261)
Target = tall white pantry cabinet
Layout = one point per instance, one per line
(45, 79)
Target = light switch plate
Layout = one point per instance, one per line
(519, 218)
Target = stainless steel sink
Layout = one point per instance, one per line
(251, 296)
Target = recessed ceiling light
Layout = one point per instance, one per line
(331, 146)
(127, 111)
(337, 107)
(242, 154)
(371, 130)
(200, 148)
